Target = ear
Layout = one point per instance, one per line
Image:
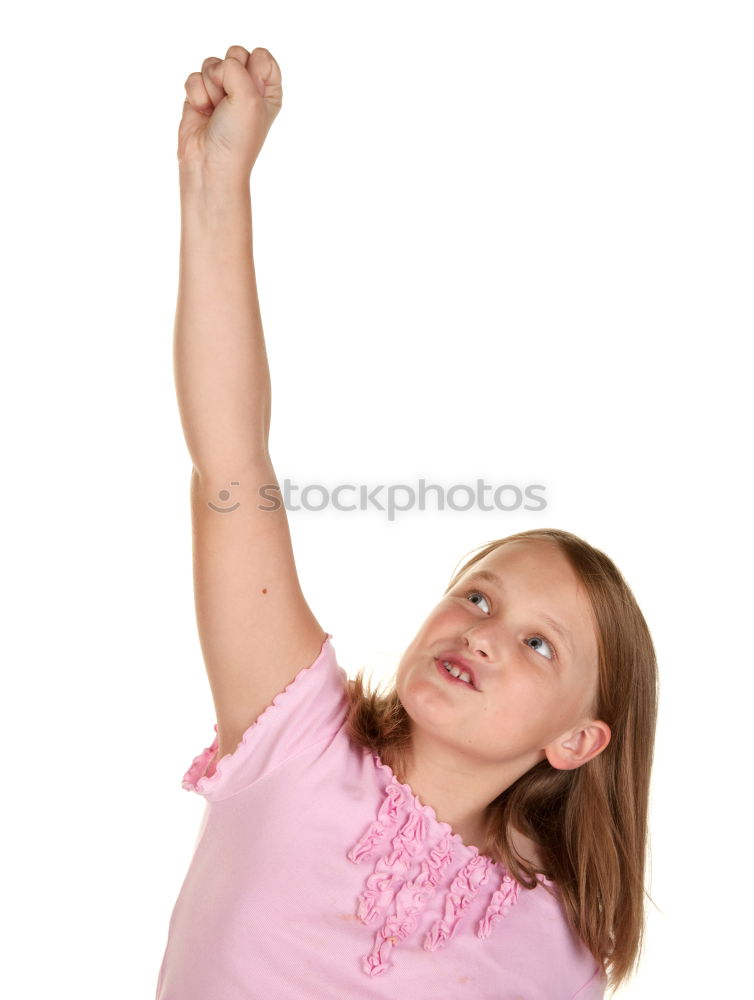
(577, 746)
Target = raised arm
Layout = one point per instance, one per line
(222, 375)
(255, 627)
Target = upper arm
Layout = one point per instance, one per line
(255, 628)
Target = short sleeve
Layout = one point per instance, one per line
(310, 710)
(594, 988)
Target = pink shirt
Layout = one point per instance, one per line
(316, 875)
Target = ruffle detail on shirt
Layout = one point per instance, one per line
(502, 900)
(463, 890)
(199, 766)
(397, 897)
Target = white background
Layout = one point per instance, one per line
(493, 240)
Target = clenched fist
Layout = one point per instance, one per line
(229, 108)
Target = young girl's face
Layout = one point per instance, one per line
(534, 686)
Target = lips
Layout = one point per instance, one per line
(463, 665)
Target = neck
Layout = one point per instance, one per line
(460, 790)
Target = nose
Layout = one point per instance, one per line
(477, 645)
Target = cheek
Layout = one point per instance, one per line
(399, 684)
(524, 705)
(406, 676)
(527, 683)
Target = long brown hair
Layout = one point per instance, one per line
(589, 823)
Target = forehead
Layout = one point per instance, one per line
(532, 565)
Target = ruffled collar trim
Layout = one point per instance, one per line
(400, 887)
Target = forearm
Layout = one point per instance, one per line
(222, 375)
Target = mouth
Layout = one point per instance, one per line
(456, 670)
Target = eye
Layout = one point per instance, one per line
(476, 593)
(539, 638)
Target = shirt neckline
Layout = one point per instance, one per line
(430, 814)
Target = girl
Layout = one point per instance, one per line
(480, 830)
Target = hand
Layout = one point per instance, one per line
(229, 108)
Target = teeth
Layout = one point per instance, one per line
(455, 672)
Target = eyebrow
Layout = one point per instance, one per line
(484, 574)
